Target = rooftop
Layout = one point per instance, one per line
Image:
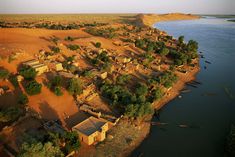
(90, 125)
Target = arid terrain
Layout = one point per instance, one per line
(103, 52)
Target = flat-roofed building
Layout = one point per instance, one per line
(39, 67)
(91, 130)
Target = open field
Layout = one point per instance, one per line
(63, 18)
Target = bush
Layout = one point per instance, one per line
(4, 74)
(69, 38)
(28, 73)
(98, 45)
(23, 99)
(75, 86)
(33, 87)
(55, 49)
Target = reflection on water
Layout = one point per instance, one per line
(210, 107)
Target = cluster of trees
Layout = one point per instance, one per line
(50, 145)
(108, 32)
(167, 79)
(58, 26)
(55, 85)
(103, 61)
(186, 52)
(73, 47)
(133, 104)
(32, 87)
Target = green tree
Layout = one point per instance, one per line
(141, 89)
(97, 44)
(181, 39)
(75, 86)
(164, 51)
(72, 141)
(157, 94)
(33, 87)
(122, 79)
(28, 73)
(192, 46)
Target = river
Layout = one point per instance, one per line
(209, 106)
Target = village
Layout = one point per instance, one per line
(81, 83)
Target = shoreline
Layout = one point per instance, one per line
(172, 94)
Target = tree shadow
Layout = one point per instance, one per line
(47, 112)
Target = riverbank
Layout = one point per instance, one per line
(127, 135)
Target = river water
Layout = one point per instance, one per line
(209, 106)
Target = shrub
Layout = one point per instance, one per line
(23, 99)
(33, 87)
(57, 91)
(28, 73)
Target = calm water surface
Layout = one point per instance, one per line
(215, 112)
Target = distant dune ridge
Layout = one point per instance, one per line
(150, 19)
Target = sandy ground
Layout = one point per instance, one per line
(150, 19)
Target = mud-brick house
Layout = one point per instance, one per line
(57, 66)
(39, 67)
(91, 130)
